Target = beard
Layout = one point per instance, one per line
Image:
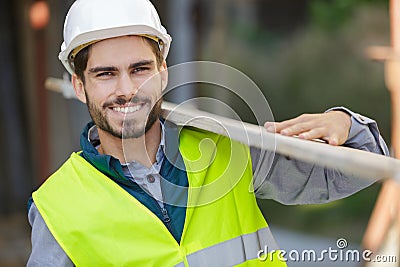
(130, 128)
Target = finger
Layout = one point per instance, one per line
(312, 134)
(279, 126)
(297, 129)
(320, 134)
(304, 118)
(270, 126)
(333, 140)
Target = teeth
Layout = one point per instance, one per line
(127, 109)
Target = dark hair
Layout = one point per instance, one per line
(81, 59)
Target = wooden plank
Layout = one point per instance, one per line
(351, 161)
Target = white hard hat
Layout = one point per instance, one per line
(89, 21)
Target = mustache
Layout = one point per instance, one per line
(120, 101)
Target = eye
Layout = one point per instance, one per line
(104, 74)
(140, 69)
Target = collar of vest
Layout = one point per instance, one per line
(107, 164)
(111, 166)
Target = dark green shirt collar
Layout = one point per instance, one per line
(111, 166)
(107, 164)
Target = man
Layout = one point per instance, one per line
(140, 193)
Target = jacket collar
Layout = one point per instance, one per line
(107, 164)
(111, 166)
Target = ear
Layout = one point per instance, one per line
(164, 75)
(79, 88)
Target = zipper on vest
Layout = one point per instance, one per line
(166, 218)
(164, 213)
(167, 221)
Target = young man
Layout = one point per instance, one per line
(137, 194)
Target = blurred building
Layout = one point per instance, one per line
(39, 128)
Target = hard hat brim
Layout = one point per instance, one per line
(103, 34)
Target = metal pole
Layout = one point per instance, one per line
(183, 32)
(383, 231)
(42, 103)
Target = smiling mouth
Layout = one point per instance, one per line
(128, 109)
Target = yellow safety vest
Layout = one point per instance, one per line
(98, 223)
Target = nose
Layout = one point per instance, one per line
(126, 86)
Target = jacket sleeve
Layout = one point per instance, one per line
(45, 249)
(292, 182)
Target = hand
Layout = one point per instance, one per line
(332, 126)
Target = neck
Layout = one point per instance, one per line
(142, 149)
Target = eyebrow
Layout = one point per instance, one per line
(131, 66)
(100, 69)
(141, 63)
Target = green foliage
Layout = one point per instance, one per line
(314, 69)
(320, 66)
(331, 15)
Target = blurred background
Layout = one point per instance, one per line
(305, 55)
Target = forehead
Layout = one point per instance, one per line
(120, 49)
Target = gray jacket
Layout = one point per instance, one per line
(275, 177)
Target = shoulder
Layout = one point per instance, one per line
(45, 249)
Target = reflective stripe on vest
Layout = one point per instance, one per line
(97, 223)
(233, 252)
